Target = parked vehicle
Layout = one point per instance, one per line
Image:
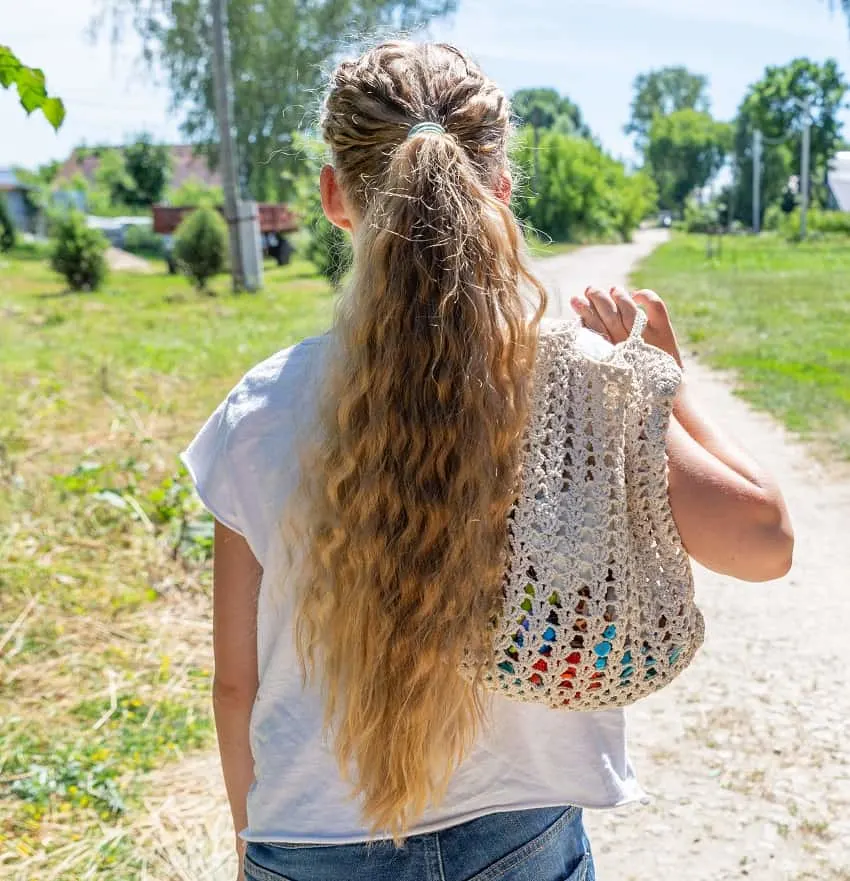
(276, 222)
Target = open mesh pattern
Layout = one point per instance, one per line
(598, 597)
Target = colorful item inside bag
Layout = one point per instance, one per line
(599, 606)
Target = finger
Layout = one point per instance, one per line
(588, 315)
(607, 310)
(650, 301)
(626, 307)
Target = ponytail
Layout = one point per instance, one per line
(423, 411)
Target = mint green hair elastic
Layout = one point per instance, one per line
(422, 128)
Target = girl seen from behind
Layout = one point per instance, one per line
(365, 486)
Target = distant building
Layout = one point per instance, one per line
(838, 180)
(24, 216)
(186, 164)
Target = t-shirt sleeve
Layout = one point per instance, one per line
(207, 461)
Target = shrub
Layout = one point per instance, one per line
(200, 246)
(819, 222)
(142, 240)
(773, 217)
(701, 218)
(327, 247)
(570, 189)
(7, 227)
(79, 253)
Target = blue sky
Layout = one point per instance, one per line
(588, 49)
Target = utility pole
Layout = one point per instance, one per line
(804, 171)
(227, 156)
(756, 181)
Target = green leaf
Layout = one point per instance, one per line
(9, 67)
(31, 88)
(54, 111)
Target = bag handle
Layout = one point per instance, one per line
(636, 334)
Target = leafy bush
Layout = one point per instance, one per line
(819, 222)
(636, 196)
(326, 246)
(7, 227)
(573, 190)
(701, 218)
(773, 217)
(142, 240)
(79, 253)
(200, 246)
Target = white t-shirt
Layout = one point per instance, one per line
(244, 464)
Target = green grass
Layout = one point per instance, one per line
(777, 314)
(540, 247)
(105, 650)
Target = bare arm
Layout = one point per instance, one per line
(729, 512)
(237, 577)
(732, 519)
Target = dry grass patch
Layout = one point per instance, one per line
(104, 583)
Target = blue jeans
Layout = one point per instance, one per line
(546, 844)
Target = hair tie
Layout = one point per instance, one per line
(422, 128)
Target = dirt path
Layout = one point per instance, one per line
(124, 261)
(745, 757)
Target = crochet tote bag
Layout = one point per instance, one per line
(599, 604)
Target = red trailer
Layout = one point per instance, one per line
(276, 221)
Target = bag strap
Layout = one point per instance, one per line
(636, 335)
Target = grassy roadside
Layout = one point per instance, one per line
(777, 314)
(540, 248)
(104, 594)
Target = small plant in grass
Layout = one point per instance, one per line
(79, 253)
(200, 246)
(110, 497)
(7, 227)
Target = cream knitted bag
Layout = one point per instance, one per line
(599, 597)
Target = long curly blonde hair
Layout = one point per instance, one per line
(405, 498)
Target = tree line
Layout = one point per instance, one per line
(568, 187)
(683, 146)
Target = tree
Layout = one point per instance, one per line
(32, 92)
(279, 52)
(114, 188)
(547, 109)
(194, 193)
(775, 106)
(684, 151)
(149, 166)
(662, 92)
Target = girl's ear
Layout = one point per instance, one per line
(504, 187)
(333, 202)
